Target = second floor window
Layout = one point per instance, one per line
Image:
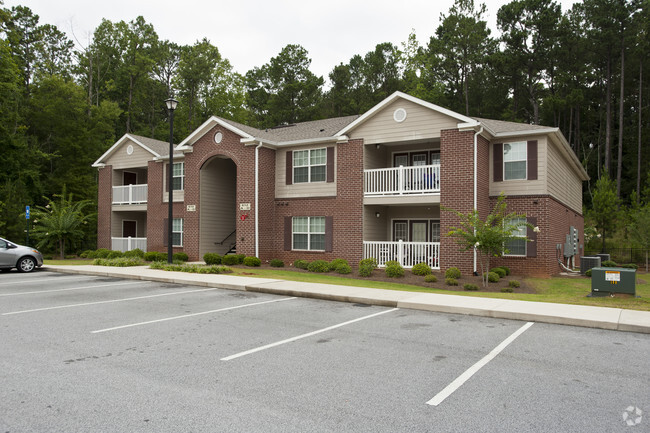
(178, 178)
(310, 165)
(514, 160)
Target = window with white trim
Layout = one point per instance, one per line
(177, 232)
(308, 233)
(515, 158)
(517, 245)
(178, 176)
(309, 165)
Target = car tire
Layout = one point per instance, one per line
(26, 264)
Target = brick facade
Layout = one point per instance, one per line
(104, 207)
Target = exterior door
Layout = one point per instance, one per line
(129, 229)
(419, 231)
(400, 231)
(419, 158)
(130, 178)
(401, 159)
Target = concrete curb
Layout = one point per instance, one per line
(561, 314)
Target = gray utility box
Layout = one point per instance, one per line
(606, 281)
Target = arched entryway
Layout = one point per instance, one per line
(218, 201)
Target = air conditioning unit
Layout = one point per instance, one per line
(587, 263)
(603, 257)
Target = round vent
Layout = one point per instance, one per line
(399, 115)
(218, 137)
(129, 149)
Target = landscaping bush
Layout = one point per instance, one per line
(366, 269)
(421, 269)
(499, 271)
(343, 269)
(114, 254)
(469, 286)
(588, 273)
(252, 262)
(318, 266)
(212, 259)
(230, 260)
(609, 264)
(452, 273)
(505, 268)
(368, 262)
(629, 266)
(301, 264)
(451, 281)
(134, 253)
(119, 261)
(431, 278)
(197, 269)
(507, 290)
(180, 256)
(86, 254)
(394, 269)
(155, 256)
(514, 284)
(101, 253)
(336, 262)
(277, 263)
(493, 277)
(240, 258)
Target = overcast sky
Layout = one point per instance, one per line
(250, 32)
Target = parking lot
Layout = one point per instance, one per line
(83, 353)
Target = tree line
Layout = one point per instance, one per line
(63, 105)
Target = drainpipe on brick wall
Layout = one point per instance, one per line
(257, 200)
(475, 183)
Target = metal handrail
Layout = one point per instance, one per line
(226, 238)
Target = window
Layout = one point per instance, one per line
(177, 232)
(514, 160)
(178, 176)
(308, 233)
(309, 165)
(517, 246)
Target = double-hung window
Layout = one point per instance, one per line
(310, 165)
(514, 160)
(178, 176)
(516, 246)
(308, 233)
(177, 232)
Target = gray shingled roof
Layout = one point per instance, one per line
(501, 126)
(160, 147)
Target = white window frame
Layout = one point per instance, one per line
(309, 232)
(524, 160)
(177, 223)
(180, 176)
(309, 165)
(523, 234)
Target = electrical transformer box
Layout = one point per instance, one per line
(607, 281)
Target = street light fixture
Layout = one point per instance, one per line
(171, 106)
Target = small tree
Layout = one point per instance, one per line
(604, 206)
(640, 229)
(489, 237)
(60, 221)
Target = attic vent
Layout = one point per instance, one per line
(129, 149)
(399, 115)
(218, 137)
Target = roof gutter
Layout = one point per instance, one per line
(480, 131)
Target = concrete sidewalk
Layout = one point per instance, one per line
(563, 314)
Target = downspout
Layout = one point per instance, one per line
(476, 184)
(257, 199)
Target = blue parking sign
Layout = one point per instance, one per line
(27, 212)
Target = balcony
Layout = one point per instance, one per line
(400, 181)
(130, 194)
(408, 254)
(128, 244)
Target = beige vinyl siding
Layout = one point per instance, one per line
(308, 189)
(374, 229)
(121, 159)
(218, 196)
(374, 158)
(563, 182)
(421, 123)
(118, 217)
(522, 187)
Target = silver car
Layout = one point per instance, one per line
(23, 258)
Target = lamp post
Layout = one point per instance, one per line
(171, 106)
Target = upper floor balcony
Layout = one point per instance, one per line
(130, 195)
(402, 181)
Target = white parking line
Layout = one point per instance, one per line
(108, 302)
(36, 280)
(309, 334)
(460, 380)
(72, 288)
(190, 315)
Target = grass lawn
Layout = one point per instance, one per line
(562, 290)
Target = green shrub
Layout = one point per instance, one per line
(181, 256)
(431, 278)
(629, 266)
(252, 262)
(492, 277)
(155, 256)
(366, 269)
(421, 269)
(301, 264)
(609, 264)
(212, 259)
(469, 286)
(240, 258)
(451, 281)
(505, 268)
(49, 256)
(119, 262)
(343, 269)
(134, 253)
(319, 266)
(277, 263)
(514, 284)
(369, 262)
(230, 260)
(499, 271)
(452, 273)
(101, 253)
(336, 262)
(588, 273)
(394, 269)
(194, 268)
(114, 255)
(507, 290)
(86, 254)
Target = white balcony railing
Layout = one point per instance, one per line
(130, 194)
(421, 179)
(128, 244)
(408, 254)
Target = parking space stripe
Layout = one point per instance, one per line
(108, 302)
(309, 334)
(190, 315)
(460, 380)
(38, 280)
(70, 289)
